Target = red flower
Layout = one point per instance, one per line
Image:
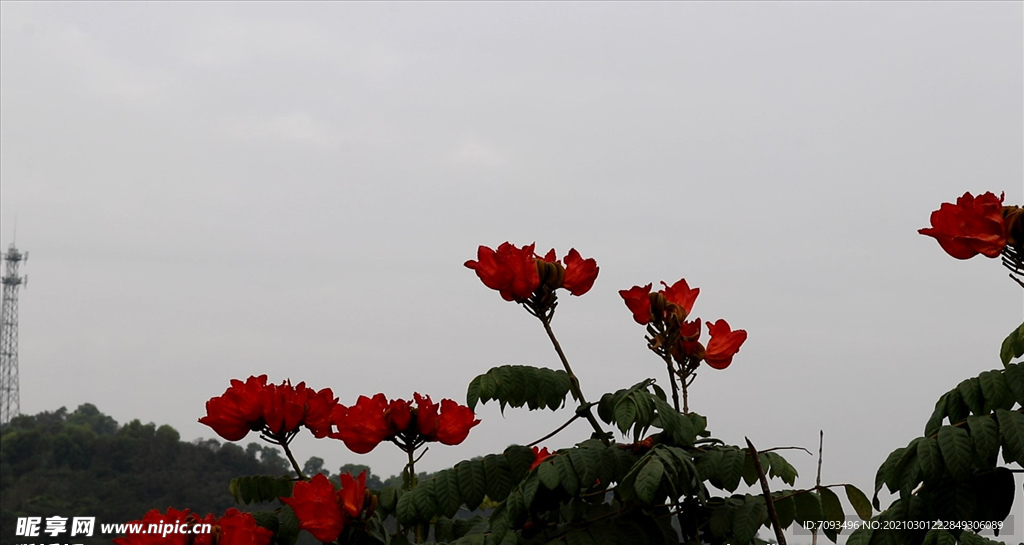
(454, 423)
(680, 294)
(724, 344)
(273, 409)
(638, 301)
(352, 494)
(428, 416)
(579, 273)
(539, 455)
(364, 425)
(318, 508)
(173, 518)
(238, 528)
(972, 226)
(510, 270)
(237, 412)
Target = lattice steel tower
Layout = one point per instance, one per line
(9, 397)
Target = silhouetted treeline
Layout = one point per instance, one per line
(84, 464)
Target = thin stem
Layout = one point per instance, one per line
(411, 468)
(574, 383)
(552, 434)
(672, 380)
(767, 492)
(295, 465)
(817, 481)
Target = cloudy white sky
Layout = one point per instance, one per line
(213, 190)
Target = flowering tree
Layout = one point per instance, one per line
(669, 481)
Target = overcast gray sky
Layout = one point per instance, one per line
(213, 190)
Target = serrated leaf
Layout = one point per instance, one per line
(625, 415)
(720, 522)
(747, 519)
(567, 474)
(548, 474)
(648, 479)
(1011, 432)
(287, 526)
(985, 437)
(955, 444)
(935, 420)
(1014, 375)
(519, 459)
(473, 393)
(887, 475)
(472, 485)
(517, 386)
(956, 410)
(1013, 345)
(970, 393)
(445, 495)
(498, 475)
(733, 460)
(930, 458)
(993, 387)
(388, 498)
(405, 510)
(423, 498)
(860, 536)
(859, 501)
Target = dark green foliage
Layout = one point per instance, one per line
(83, 464)
(518, 386)
(952, 472)
(1013, 345)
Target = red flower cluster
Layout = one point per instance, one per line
(972, 226)
(324, 511)
(665, 313)
(375, 419)
(275, 410)
(186, 528)
(646, 307)
(517, 273)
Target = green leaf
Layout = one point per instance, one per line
(288, 526)
(733, 460)
(808, 507)
(985, 436)
(785, 509)
(993, 387)
(956, 410)
(423, 498)
(388, 498)
(1013, 345)
(625, 415)
(935, 420)
(747, 519)
(499, 477)
(519, 386)
(1014, 375)
(471, 483)
(781, 468)
(859, 501)
(405, 511)
(929, 456)
(446, 492)
(1011, 429)
(648, 480)
(520, 459)
(567, 474)
(887, 474)
(831, 507)
(547, 473)
(955, 444)
(860, 536)
(970, 393)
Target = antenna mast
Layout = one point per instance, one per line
(9, 396)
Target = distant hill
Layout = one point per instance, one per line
(84, 464)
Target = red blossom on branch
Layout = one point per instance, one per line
(519, 273)
(273, 409)
(324, 511)
(724, 344)
(179, 528)
(539, 455)
(374, 420)
(972, 226)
